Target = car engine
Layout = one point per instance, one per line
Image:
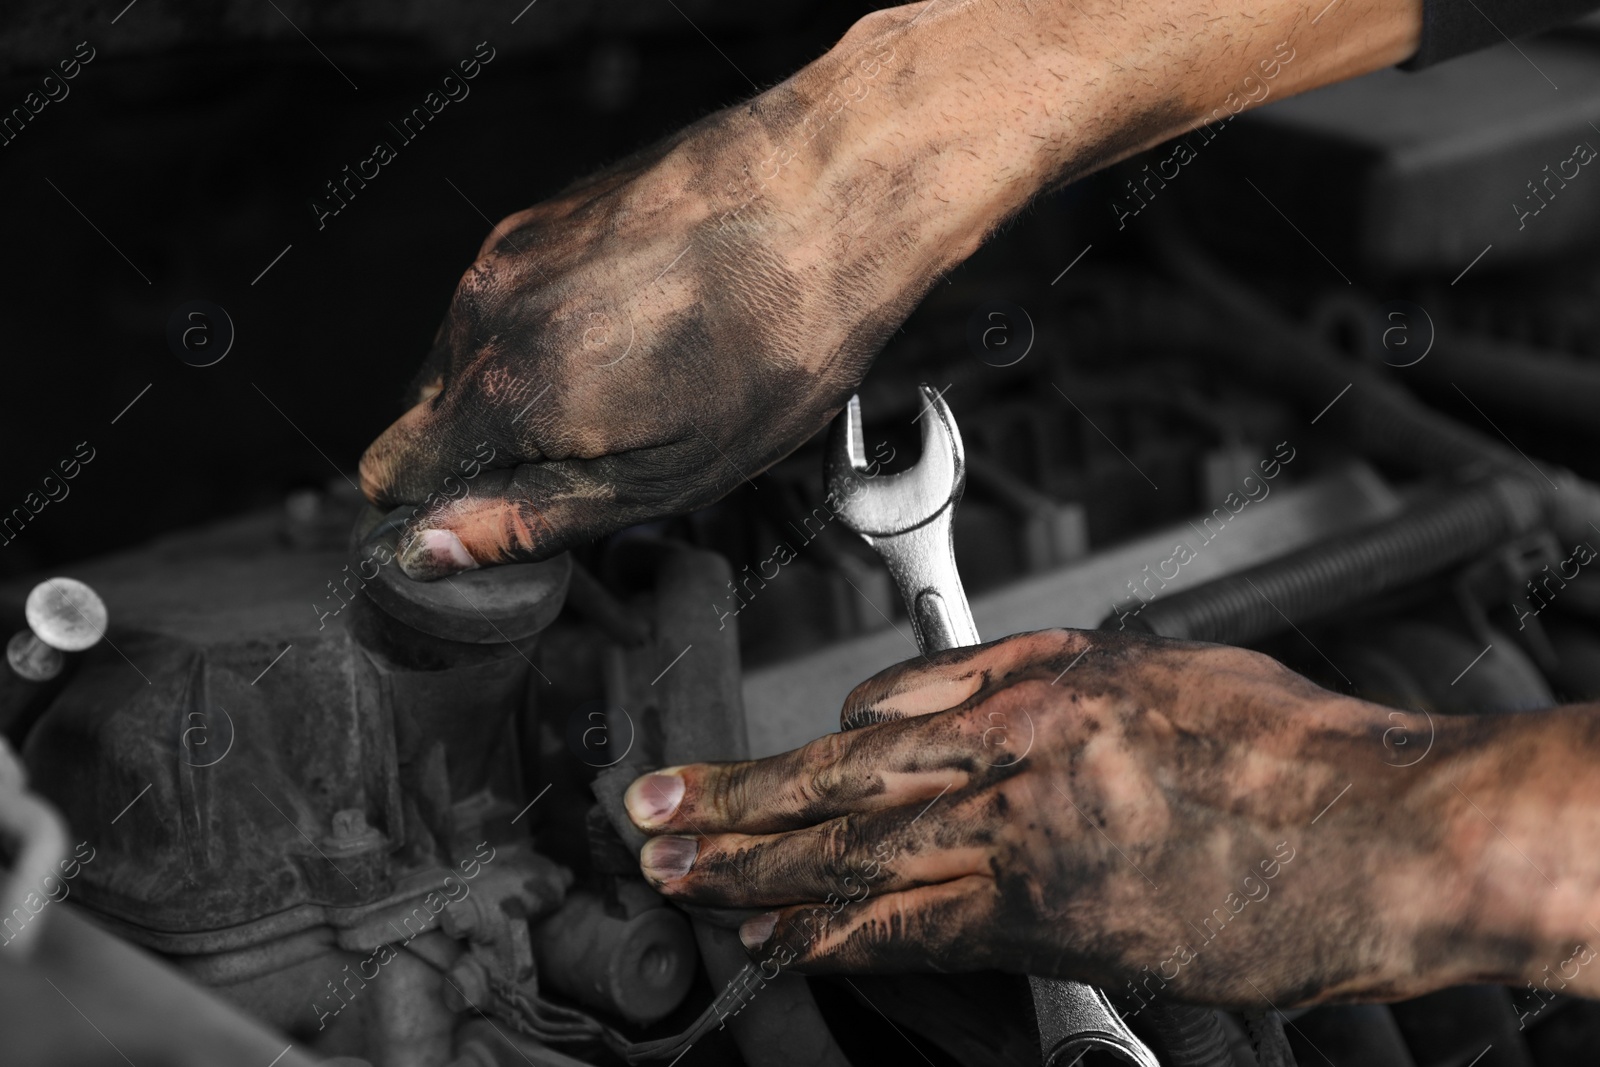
(317, 810)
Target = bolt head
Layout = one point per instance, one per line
(32, 659)
(349, 824)
(66, 614)
(351, 835)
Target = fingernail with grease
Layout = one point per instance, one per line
(754, 933)
(651, 800)
(430, 554)
(665, 858)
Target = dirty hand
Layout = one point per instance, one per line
(666, 329)
(1153, 816)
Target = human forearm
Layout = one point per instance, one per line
(975, 108)
(1519, 799)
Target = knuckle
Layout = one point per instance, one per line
(820, 922)
(838, 845)
(1054, 644)
(484, 277)
(1069, 640)
(818, 779)
(483, 298)
(722, 794)
(812, 789)
(728, 869)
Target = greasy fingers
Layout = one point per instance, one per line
(501, 509)
(883, 851)
(949, 926)
(528, 513)
(930, 684)
(873, 769)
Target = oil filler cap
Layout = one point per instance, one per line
(492, 605)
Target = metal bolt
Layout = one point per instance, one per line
(349, 824)
(351, 834)
(64, 615)
(32, 658)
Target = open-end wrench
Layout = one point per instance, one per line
(906, 517)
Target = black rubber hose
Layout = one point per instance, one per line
(1249, 605)
(1190, 1036)
(1557, 388)
(1381, 420)
(1267, 1036)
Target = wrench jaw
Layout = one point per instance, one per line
(854, 442)
(880, 505)
(844, 467)
(942, 450)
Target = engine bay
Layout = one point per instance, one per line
(380, 819)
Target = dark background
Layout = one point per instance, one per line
(194, 141)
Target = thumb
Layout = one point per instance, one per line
(943, 680)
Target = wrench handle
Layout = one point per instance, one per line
(938, 625)
(1074, 1018)
(923, 564)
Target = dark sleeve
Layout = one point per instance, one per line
(1454, 27)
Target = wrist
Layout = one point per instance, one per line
(1466, 844)
(1519, 811)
